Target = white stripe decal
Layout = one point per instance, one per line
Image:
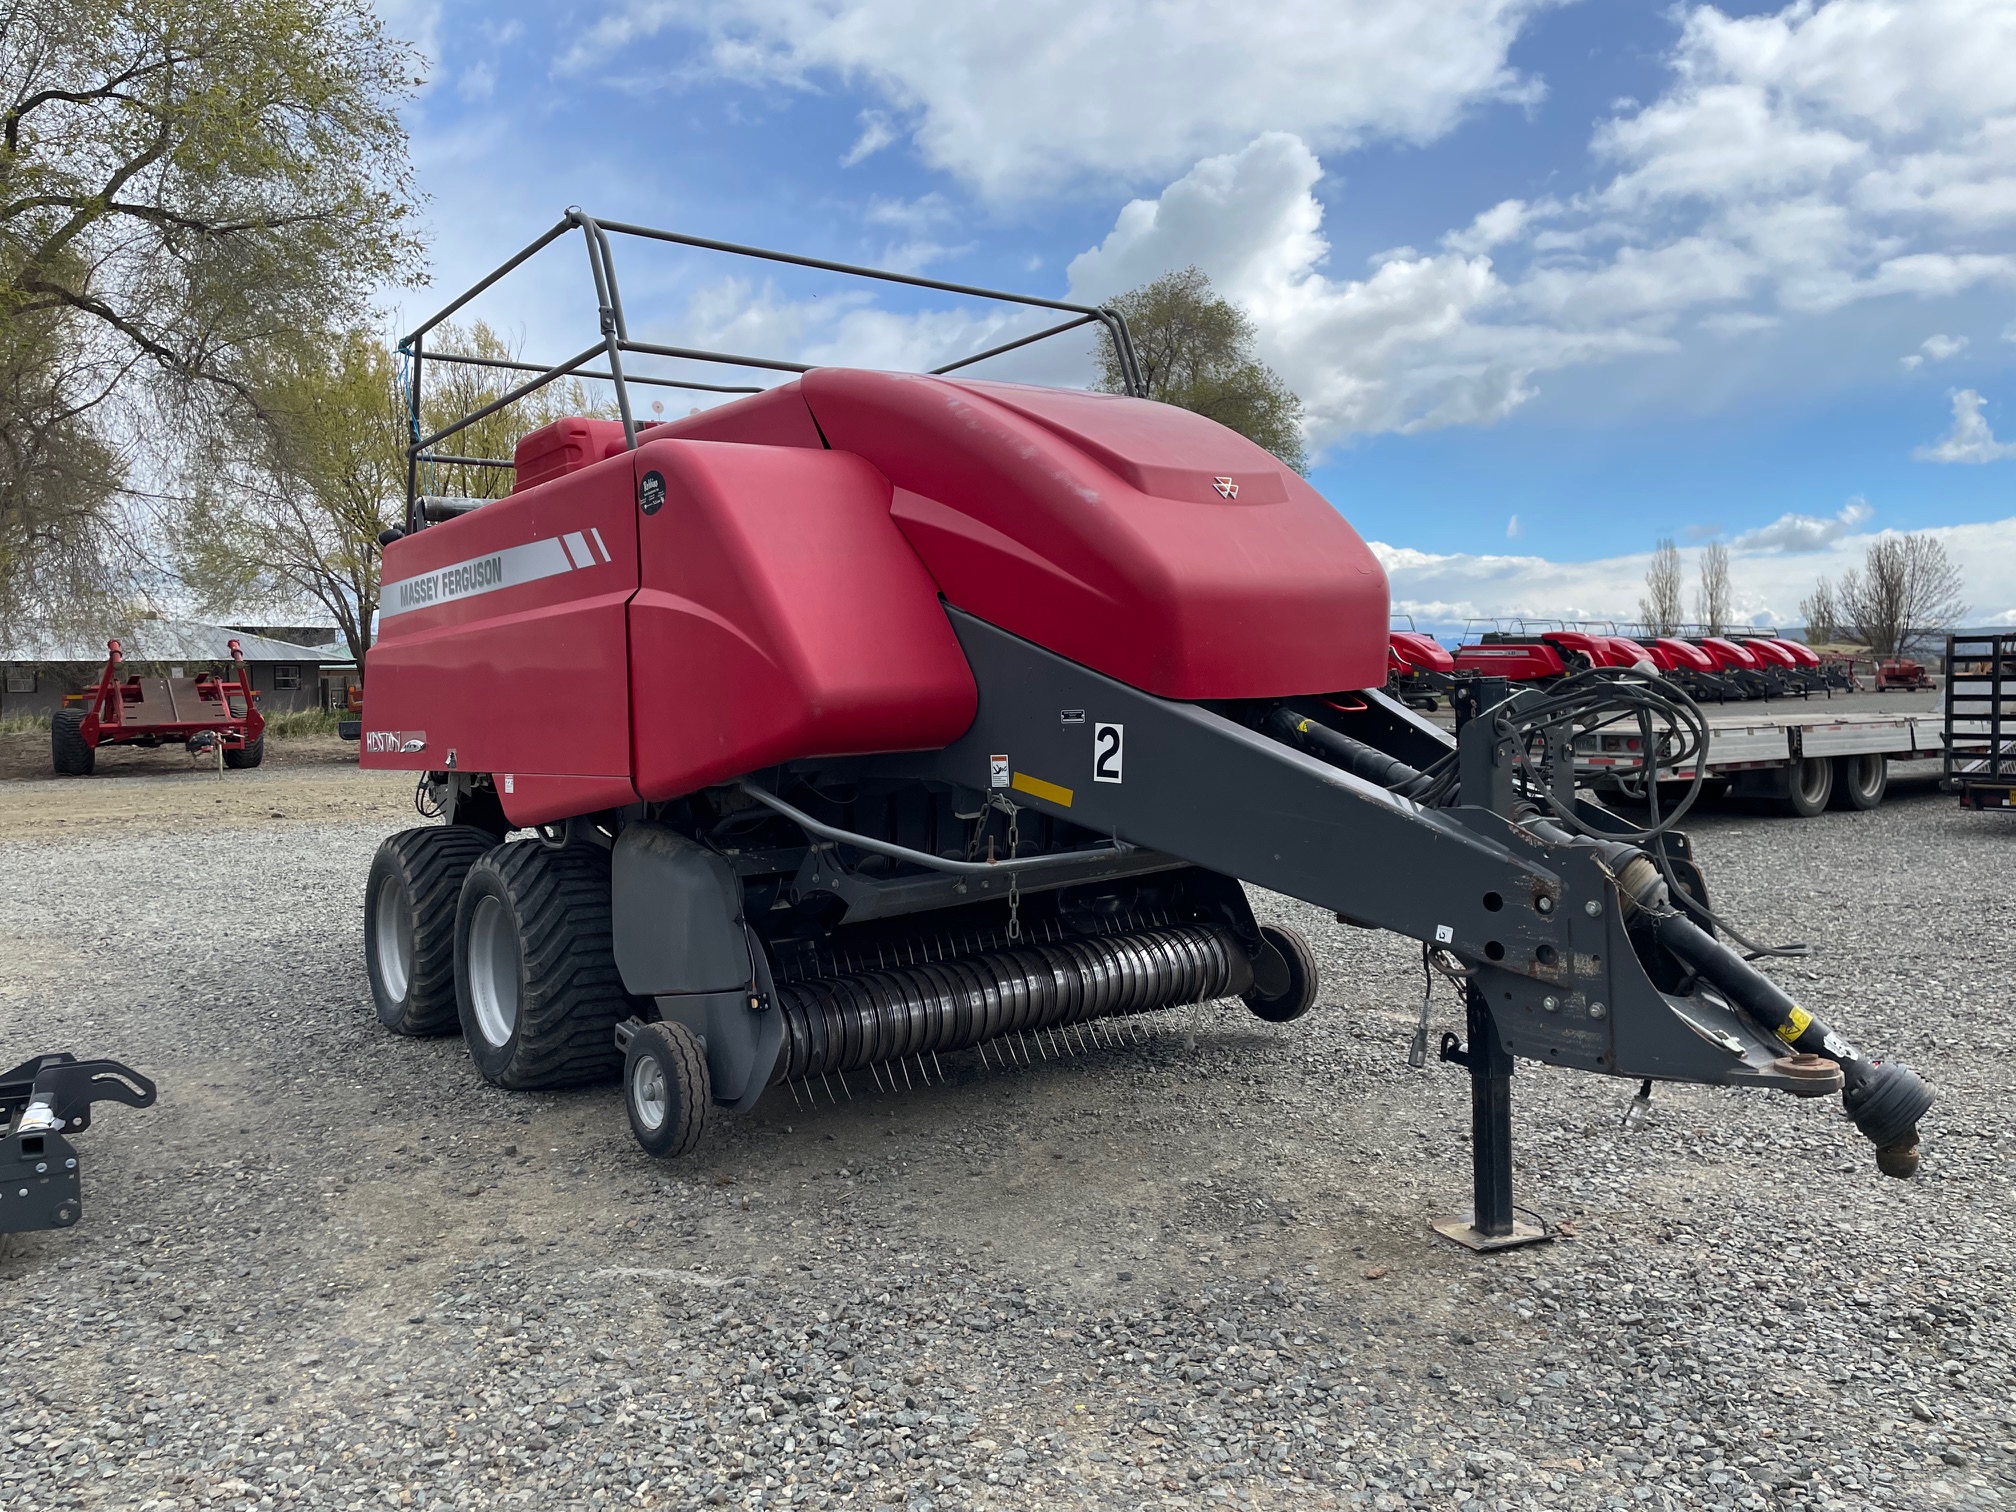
(572, 560)
(509, 568)
(598, 543)
(577, 548)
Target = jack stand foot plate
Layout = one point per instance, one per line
(1464, 1231)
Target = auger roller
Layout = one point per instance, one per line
(874, 717)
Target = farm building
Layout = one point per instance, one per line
(290, 673)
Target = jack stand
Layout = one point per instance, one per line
(1491, 1223)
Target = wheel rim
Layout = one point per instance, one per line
(648, 1096)
(1813, 774)
(1869, 775)
(392, 925)
(493, 971)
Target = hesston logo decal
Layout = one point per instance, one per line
(576, 551)
(395, 742)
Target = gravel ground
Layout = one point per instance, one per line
(334, 1269)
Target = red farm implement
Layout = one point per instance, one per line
(1900, 673)
(209, 710)
(918, 716)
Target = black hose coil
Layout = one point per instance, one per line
(849, 1022)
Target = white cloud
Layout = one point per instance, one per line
(1412, 346)
(1512, 528)
(1014, 98)
(876, 133)
(1503, 222)
(1933, 349)
(1970, 439)
(1803, 532)
(1446, 590)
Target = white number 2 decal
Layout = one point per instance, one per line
(1107, 747)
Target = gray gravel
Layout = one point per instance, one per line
(334, 1269)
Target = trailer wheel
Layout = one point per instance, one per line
(536, 980)
(1294, 980)
(1809, 785)
(69, 752)
(409, 925)
(249, 754)
(666, 1088)
(1861, 781)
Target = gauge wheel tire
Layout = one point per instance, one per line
(409, 925)
(666, 1088)
(1861, 781)
(69, 752)
(1291, 973)
(535, 971)
(249, 754)
(1809, 788)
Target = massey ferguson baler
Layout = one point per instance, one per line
(895, 715)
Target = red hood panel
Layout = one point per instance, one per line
(1138, 539)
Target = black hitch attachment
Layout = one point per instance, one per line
(1884, 1098)
(42, 1102)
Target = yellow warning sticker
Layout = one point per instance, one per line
(1796, 1025)
(1036, 787)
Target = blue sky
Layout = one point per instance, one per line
(1552, 279)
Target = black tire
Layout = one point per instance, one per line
(1861, 781)
(535, 973)
(409, 925)
(349, 729)
(666, 1088)
(1294, 965)
(1809, 785)
(249, 754)
(69, 752)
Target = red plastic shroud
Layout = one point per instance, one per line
(1409, 651)
(1521, 663)
(783, 600)
(1138, 539)
(1729, 656)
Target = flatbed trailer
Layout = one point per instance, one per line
(1801, 761)
(1980, 720)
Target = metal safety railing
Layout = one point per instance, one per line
(616, 340)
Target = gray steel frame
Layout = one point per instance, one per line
(616, 338)
(1541, 923)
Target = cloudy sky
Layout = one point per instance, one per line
(1553, 280)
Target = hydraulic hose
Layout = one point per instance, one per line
(1354, 756)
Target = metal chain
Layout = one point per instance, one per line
(1014, 877)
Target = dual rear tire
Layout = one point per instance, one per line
(511, 945)
(1817, 783)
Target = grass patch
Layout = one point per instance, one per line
(295, 724)
(24, 724)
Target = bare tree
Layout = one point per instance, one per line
(1711, 594)
(1660, 607)
(1821, 611)
(1906, 584)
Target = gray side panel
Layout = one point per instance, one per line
(676, 912)
(1196, 785)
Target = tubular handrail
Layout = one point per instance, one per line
(616, 340)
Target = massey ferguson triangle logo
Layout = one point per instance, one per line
(1226, 487)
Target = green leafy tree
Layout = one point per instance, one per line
(184, 185)
(287, 503)
(1196, 351)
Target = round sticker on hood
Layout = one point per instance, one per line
(651, 492)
